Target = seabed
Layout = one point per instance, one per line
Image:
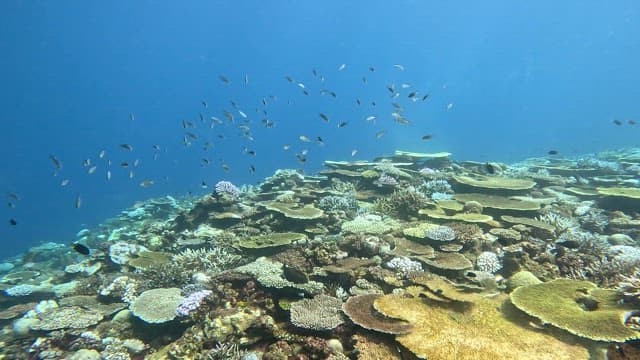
(408, 256)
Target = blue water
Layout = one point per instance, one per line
(522, 78)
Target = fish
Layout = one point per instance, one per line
(631, 122)
(64, 182)
(124, 164)
(132, 117)
(228, 115)
(405, 85)
(13, 196)
(108, 175)
(324, 117)
(268, 123)
(92, 170)
(56, 162)
(301, 85)
(146, 183)
(203, 184)
(102, 154)
(127, 147)
(246, 79)
(304, 138)
(201, 117)
(192, 136)
(224, 79)
(233, 103)
(424, 98)
(242, 114)
(364, 79)
(391, 88)
(131, 174)
(289, 79)
(380, 134)
(78, 202)
(314, 72)
(225, 167)
(252, 169)
(370, 118)
(81, 249)
(412, 95)
(320, 141)
(11, 205)
(373, 103)
(215, 120)
(186, 124)
(490, 168)
(205, 162)
(343, 124)
(402, 120)
(136, 162)
(204, 104)
(249, 152)
(156, 147)
(354, 152)
(86, 162)
(552, 152)
(286, 147)
(333, 94)
(301, 158)
(305, 92)
(449, 106)
(358, 102)
(399, 67)
(617, 122)
(342, 67)
(13, 222)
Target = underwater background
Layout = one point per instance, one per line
(507, 81)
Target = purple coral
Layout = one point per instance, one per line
(386, 180)
(226, 187)
(192, 302)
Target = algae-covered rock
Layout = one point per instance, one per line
(495, 182)
(271, 240)
(480, 331)
(578, 307)
(157, 306)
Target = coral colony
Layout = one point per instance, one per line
(388, 259)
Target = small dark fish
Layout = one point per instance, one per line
(187, 124)
(289, 79)
(228, 115)
(320, 141)
(203, 184)
(224, 79)
(225, 167)
(427, 137)
(372, 69)
(192, 136)
(252, 169)
(333, 94)
(617, 122)
(201, 117)
(553, 152)
(380, 134)
(233, 103)
(205, 162)
(301, 158)
(412, 95)
(56, 162)
(246, 79)
(305, 92)
(631, 122)
(424, 98)
(13, 196)
(490, 168)
(364, 79)
(78, 202)
(11, 205)
(343, 124)
(324, 117)
(81, 249)
(373, 103)
(131, 117)
(124, 164)
(204, 103)
(358, 102)
(156, 147)
(315, 72)
(127, 147)
(13, 222)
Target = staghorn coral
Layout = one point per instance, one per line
(403, 203)
(348, 204)
(226, 188)
(214, 260)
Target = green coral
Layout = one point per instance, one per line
(578, 307)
